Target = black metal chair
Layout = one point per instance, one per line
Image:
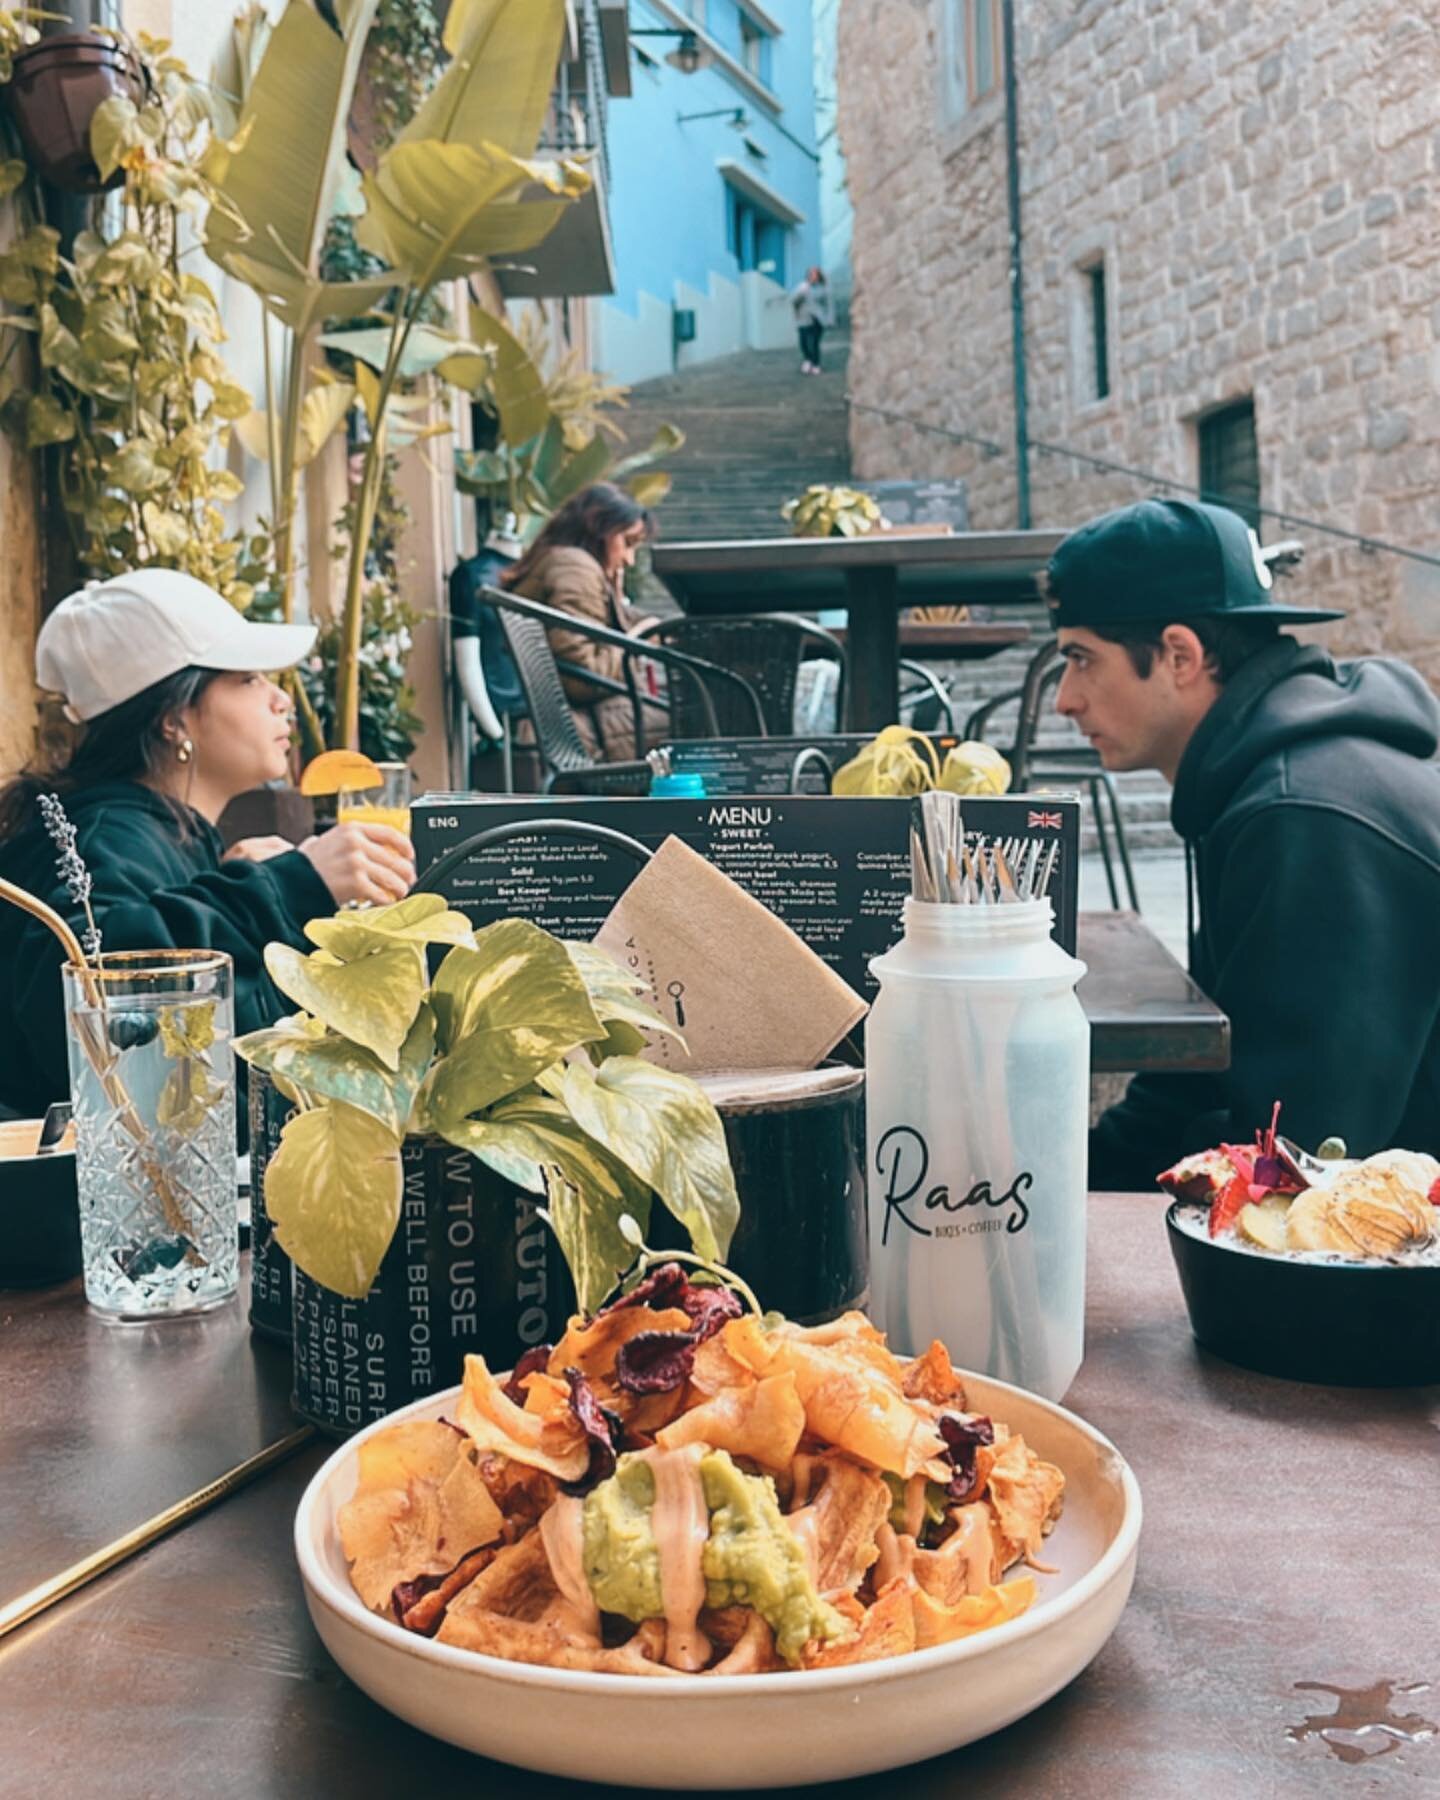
(569, 765)
(765, 649)
(1076, 764)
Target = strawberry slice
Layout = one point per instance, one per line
(1434, 1194)
(1225, 1208)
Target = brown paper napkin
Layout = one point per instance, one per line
(737, 981)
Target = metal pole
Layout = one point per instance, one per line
(1017, 270)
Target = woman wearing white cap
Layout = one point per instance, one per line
(163, 675)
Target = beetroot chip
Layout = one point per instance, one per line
(531, 1363)
(595, 1422)
(963, 1437)
(710, 1308)
(661, 1288)
(655, 1362)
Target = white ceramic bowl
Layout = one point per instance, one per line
(777, 1730)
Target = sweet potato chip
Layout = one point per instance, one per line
(424, 1611)
(933, 1377)
(888, 1629)
(546, 1641)
(763, 1422)
(969, 1560)
(420, 1506)
(852, 1403)
(592, 1348)
(716, 1366)
(558, 1445)
(838, 1528)
(753, 1653)
(936, 1623)
(1026, 1494)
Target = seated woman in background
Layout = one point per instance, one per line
(577, 565)
(162, 673)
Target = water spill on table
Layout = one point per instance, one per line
(1363, 1726)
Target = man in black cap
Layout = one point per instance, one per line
(1308, 796)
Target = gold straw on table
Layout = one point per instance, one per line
(18, 1612)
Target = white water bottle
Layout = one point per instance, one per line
(977, 1058)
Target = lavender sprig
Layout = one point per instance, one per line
(71, 866)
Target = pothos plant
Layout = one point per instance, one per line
(130, 382)
(901, 761)
(522, 1050)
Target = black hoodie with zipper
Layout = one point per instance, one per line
(157, 883)
(1309, 799)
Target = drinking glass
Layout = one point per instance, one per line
(388, 804)
(152, 1079)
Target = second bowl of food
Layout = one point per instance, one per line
(1323, 1269)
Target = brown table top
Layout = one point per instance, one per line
(955, 640)
(998, 568)
(1144, 1010)
(106, 1425)
(1288, 1540)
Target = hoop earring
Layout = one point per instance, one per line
(184, 750)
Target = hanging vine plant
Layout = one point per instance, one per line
(128, 379)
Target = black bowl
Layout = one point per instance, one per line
(39, 1219)
(1339, 1324)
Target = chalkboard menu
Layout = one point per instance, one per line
(836, 870)
(768, 765)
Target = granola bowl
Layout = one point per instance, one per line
(785, 1729)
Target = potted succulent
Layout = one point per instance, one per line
(441, 1123)
(833, 512)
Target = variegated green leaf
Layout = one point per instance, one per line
(664, 1128)
(613, 993)
(506, 1009)
(332, 1191)
(533, 1141)
(332, 1068)
(420, 919)
(372, 1001)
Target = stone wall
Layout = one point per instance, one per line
(1262, 181)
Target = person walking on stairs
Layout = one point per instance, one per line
(810, 300)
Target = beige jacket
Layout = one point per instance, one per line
(570, 580)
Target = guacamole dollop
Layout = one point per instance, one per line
(751, 1557)
(617, 1536)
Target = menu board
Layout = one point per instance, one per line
(766, 765)
(836, 870)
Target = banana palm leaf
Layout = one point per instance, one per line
(278, 181)
(497, 87)
(435, 211)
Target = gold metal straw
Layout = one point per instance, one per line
(18, 1612)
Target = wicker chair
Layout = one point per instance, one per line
(568, 764)
(1075, 764)
(766, 649)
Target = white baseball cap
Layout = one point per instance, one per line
(116, 638)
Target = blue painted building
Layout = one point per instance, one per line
(714, 189)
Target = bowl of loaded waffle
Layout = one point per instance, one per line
(1321, 1267)
(693, 1546)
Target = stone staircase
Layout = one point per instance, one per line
(758, 431)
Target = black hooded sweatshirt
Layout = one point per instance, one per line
(157, 884)
(1309, 798)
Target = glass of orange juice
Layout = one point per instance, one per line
(388, 804)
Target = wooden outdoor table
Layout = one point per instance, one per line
(1288, 1540)
(954, 640)
(1144, 1010)
(872, 578)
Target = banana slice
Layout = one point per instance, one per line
(1309, 1226)
(1264, 1226)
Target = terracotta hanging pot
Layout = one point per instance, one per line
(54, 93)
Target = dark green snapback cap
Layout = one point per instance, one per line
(1169, 560)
